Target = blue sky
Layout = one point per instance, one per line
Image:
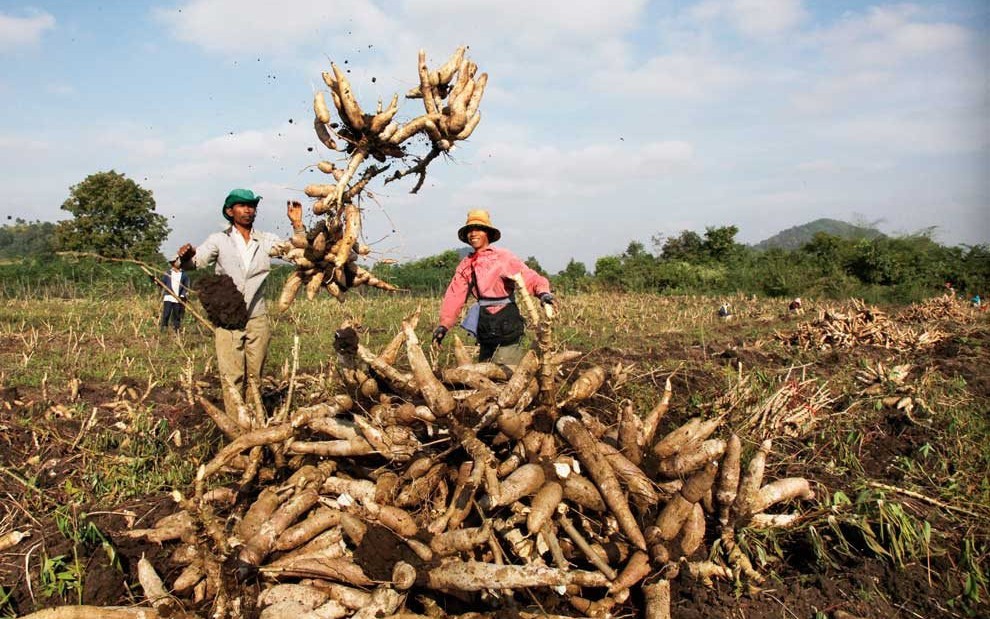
(603, 122)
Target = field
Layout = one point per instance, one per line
(100, 423)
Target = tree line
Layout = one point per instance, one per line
(115, 217)
(881, 269)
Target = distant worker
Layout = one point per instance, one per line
(241, 252)
(795, 306)
(176, 287)
(976, 301)
(725, 311)
(949, 289)
(486, 274)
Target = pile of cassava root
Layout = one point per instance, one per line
(859, 325)
(326, 256)
(473, 491)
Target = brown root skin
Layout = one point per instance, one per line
(629, 432)
(255, 438)
(691, 433)
(351, 111)
(266, 503)
(477, 575)
(639, 485)
(461, 354)
(602, 474)
(383, 118)
(751, 482)
(524, 372)
(100, 612)
(151, 584)
(780, 491)
(686, 462)
(318, 521)
(656, 414)
(728, 477)
(262, 543)
(306, 595)
(637, 568)
(461, 540)
(320, 108)
(586, 385)
(437, 397)
(706, 571)
(543, 505)
(324, 136)
(672, 517)
(596, 558)
(227, 425)
(693, 531)
(337, 569)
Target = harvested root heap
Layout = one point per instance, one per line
(945, 307)
(326, 256)
(478, 488)
(859, 325)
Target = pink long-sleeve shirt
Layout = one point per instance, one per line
(493, 266)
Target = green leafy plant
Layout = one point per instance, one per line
(6, 608)
(59, 577)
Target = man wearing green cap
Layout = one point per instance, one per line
(241, 252)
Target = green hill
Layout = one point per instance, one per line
(794, 238)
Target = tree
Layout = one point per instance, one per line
(534, 264)
(112, 216)
(686, 246)
(426, 275)
(26, 239)
(720, 243)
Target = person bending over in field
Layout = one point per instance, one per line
(485, 274)
(241, 252)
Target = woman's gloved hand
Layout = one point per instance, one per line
(438, 335)
(547, 298)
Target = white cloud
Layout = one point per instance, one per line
(233, 26)
(752, 18)
(688, 76)
(889, 35)
(835, 91)
(546, 171)
(827, 167)
(923, 133)
(15, 147)
(16, 32)
(533, 25)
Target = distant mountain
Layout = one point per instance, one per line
(794, 238)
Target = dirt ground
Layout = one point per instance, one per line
(42, 466)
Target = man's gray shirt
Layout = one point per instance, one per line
(220, 248)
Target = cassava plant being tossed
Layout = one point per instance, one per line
(326, 255)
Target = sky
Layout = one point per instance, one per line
(604, 122)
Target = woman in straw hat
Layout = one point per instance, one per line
(486, 274)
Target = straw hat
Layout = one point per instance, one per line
(479, 218)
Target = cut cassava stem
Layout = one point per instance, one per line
(582, 544)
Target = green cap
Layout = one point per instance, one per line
(239, 196)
